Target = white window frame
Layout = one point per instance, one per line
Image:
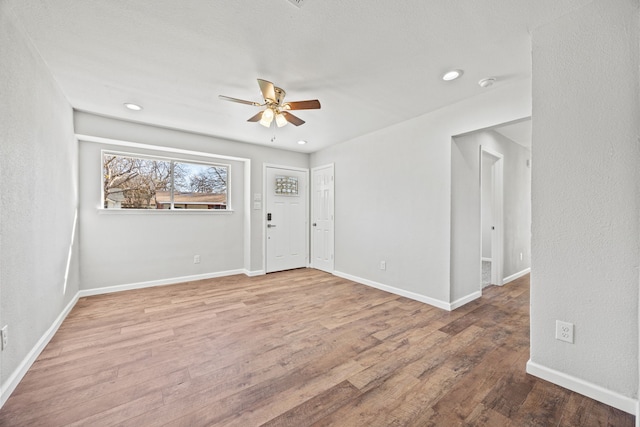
(173, 160)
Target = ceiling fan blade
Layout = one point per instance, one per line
(240, 101)
(256, 118)
(313, 104)
(267, 89)
(292, 119)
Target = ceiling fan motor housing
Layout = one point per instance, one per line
(280, 94)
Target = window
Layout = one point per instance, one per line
(155, 183)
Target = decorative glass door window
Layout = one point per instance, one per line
(286, 185)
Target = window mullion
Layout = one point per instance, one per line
(171, 168)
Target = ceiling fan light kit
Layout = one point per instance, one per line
(275, 107)
(267, 117)
(280, 120)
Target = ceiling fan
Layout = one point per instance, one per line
(276, 108)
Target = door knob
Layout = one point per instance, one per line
(314, 224)
(270, 225)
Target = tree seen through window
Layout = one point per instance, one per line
(147, 183)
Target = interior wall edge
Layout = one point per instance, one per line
(159, 282)
(397, 291)
(516, 276)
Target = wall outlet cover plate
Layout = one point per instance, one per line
(564, 331)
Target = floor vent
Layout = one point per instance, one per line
(297, 2)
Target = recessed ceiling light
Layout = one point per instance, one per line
(302, 142)
(452, 75)
(134, 107)
(489, 81)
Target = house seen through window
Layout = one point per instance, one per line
(153, 183)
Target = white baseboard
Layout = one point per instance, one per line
(408, 294)
(161, 282)
(14, 379)
(464, 300)
(515, 276)
(254, 273)
(585, 388)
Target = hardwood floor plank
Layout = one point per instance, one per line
(317, 407)
(115, 414)
(27, 398)
(511, 390)
(467, 394)
(61, 374)
(543, 406)
(295, 348)
(87, 405)
(483, 416)
(307, 384)
(371, 407)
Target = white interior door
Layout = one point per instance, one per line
(497, 237)
(286, 219)
(322, 198)
(486, 214)
(494, 161)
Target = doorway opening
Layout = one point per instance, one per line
(491, 215)
(490, 208)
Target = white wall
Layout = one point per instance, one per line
(122, 247)
(38, 172)
(517, 205)
(97, 228)
(466, 207)
(466, 266)
(393, 193)
(586, 196)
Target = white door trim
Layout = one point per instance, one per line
(264, 203)
(312, 216)
(497, 240)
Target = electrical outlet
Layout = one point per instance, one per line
(564, 331)
(196, 259)
(383, 265)
(5, 336)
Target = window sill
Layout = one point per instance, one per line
(103, 211)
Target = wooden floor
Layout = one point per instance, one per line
(298, 348)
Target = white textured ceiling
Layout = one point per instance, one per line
(370, 63)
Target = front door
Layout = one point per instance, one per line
(322, 191)
(286, 218)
